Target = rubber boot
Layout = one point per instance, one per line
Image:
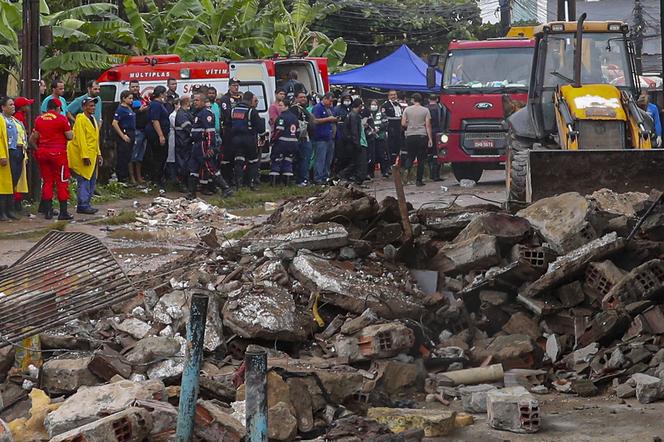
(253, 176)
(237, 173)
(42, 206)
(18, 207)
(192, 182)
(7, 203)
(273, 180)
(3, 210)
(64, 213)
(220, 182)
(48, 209)
(287, 180)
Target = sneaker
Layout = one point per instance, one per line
(303, 184)
(86, 210)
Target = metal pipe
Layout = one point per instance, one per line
(192, 368)
(255, 360)
(578, 50)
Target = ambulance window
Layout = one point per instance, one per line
(259, 90)
(108, 92)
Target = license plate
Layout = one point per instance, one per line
(484, 143)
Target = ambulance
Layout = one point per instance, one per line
(261, 77)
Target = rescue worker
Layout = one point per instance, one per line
(84, 156)
(156, 132)
(22, 114)
(392, 110)
(305, 148)
(293, 86)
(183, 122)
(204, 150)
(124, 125)
(12, 150)
(227, 102)
(644, 103)
(356, 140)
(49, 139)
(76, 106)
(437, 120)
(342, 155)
(284, 144)
(246, 126)
(377, 140)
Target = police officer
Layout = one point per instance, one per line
(285, 143)
(204, 150)
(246, 125)
(392, 110)
(226, 103)
(438, 116)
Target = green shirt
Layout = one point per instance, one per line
(363, 138)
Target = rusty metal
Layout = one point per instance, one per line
(61, 277)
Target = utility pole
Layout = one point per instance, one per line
(30, 80)
(505, 15)
(639, 26)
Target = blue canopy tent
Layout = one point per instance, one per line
(402, 70)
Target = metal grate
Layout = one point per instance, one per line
(61, 277)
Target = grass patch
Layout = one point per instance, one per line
(35, 234)
(116, 191)
(247, 199)
(134, 235)
(124, 217)
(235, 234)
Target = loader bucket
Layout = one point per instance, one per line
(552, 172)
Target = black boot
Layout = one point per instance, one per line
(237, 173)
(64, 214)
(287, 180)
(253, 176)
(220, 182)
(48, 209)
(192, 182)
(3, 210)
(273, 180)
(8, 207)
(42, 206)
(18, 208)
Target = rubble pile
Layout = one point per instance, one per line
(179, 213)
(371, 336)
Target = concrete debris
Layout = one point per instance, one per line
(513, 409)
(361, 326)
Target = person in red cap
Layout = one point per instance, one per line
(23, 115)
(49, 138)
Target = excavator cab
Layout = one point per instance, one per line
(581, 129)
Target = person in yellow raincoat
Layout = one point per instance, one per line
(12, 157)
(84, 156)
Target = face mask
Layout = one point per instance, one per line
(346, 103)
(374, 108)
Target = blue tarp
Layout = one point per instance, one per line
(401, 70)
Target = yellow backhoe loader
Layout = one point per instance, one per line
(581, 129)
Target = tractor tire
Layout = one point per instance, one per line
(517, 164)
(467, 171)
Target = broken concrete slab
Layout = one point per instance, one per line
(389, 294)
(130, 425)
(508, 229)
(322, 236)
(568, 267)
(473, 397)
(302, 402)
(521, 324)
(605, 327)
(513, 409)
(601, 277)
(478, 252)
(395, 376)
(265, 312)
(64, 376)
(92, 403)
(513, 351)
(354, 325)
(107, 363)
(150, 349)
(375, 342)
(648, 388)
(617, 204)
(561, 220)
(448, 222)
(435, 423)
(172, 309)
(134, 327)
(282, 425)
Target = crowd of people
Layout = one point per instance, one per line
(206, 142)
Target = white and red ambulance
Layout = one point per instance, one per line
(258, 76)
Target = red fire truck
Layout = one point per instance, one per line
(476, 76)
(259, 76)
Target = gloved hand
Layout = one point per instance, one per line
(209, 153)
(658, 142)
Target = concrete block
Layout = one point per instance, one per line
(513, 409)
(376, 341)
(601, 277)
(648, 388)
(130, 425)
(473, 397)
(107, 363)
(508, 229)
(642, 283)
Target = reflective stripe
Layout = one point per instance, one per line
(289, 159)
(239, 158)
(193, 174)
(253, 161)
(274, 173)
(224, 162)
(295, 140)
(288, 174)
